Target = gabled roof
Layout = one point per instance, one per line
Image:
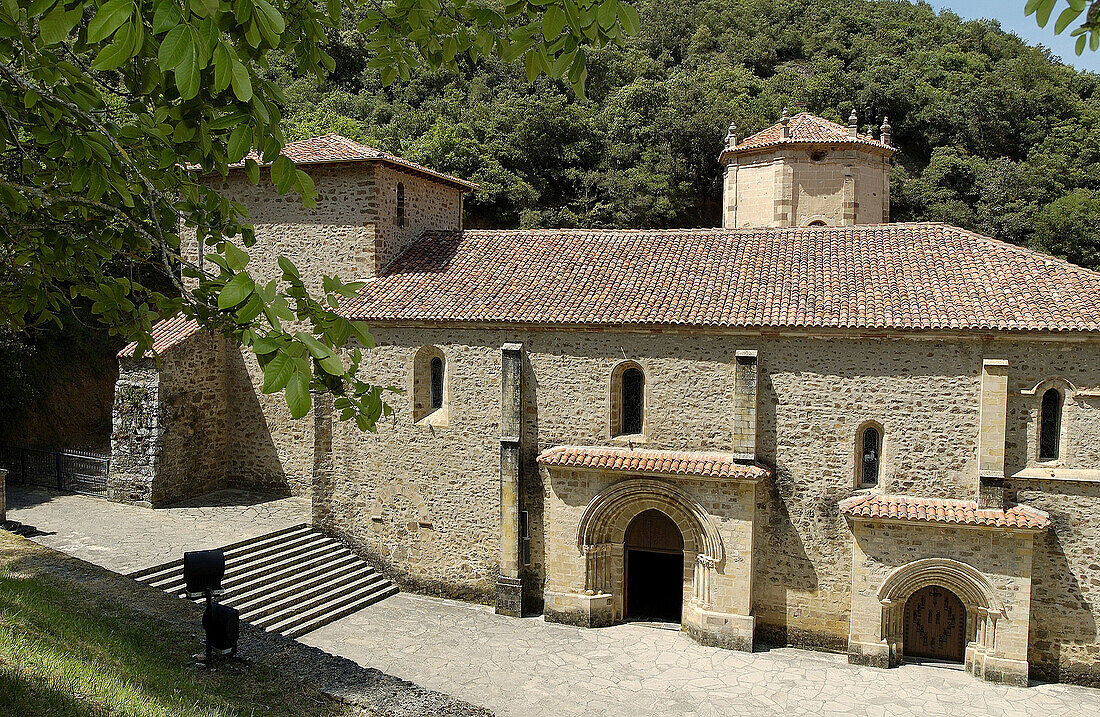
(685, 463)
(869, 277)
(805, 128)
(334, 148)
(938, 510)
(166, 334)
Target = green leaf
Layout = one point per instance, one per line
(241, 82)
(553, 20)
(236, 259)
(109, 18)
(362, 334)
(277, 372)
(166, 16)
(240, 141)
(297, 393)
(239, 288)
(1065, 18)
(57, 25)
(629, 19)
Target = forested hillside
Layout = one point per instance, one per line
(994, 135)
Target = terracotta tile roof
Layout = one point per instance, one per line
(805, 128)
(166, 334)
(698, 464)
(332, 148)
(935, 510)
(870, 277)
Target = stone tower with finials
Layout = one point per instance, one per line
(806, 171)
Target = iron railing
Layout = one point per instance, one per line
(67, 470)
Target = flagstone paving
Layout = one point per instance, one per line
(125, 538)
(532, 668)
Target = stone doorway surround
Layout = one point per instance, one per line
(596, 492)
(902, 544)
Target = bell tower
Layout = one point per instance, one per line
(806, 171)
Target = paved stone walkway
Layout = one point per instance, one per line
(531, 668)
(125, 538)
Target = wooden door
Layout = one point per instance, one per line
(935, 625)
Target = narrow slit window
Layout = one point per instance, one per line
(633, 401)
(871, 455)
(437, 383)
(399, 217)
(1050, 425)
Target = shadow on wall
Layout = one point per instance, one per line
(781, 563)
(253, 460)
(1063, 632)
(534, 575)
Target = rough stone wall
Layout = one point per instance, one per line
(424, 499)
(193, 411)
(788, 188)
(428, 205)
(169, 424)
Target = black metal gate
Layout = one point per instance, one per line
(69, 470)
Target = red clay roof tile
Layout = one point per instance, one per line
(937, 510)
(687, 463)
(166, 334)
(870, 277)
(805, 128)
(331, 148)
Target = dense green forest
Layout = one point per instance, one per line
(994, 134)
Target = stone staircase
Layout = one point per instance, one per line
(290, 582)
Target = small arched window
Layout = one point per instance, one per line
(816, 223)
(869, 455)
(1050, 425)
(437, 383)
(633, 400)
(399, 216)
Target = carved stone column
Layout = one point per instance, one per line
(510, 582)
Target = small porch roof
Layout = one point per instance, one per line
(872, 506)
(695, 464)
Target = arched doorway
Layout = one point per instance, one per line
(654, 567)
(935, 625)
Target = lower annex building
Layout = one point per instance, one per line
(810, 426)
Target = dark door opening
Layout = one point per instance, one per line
(935, 625)
(654, 568)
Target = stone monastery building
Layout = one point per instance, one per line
(808, 427)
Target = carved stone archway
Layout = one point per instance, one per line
(983, 606)
(603, 527)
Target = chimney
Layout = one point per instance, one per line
(784, 130)
(887, 131)
(853, 124)
(731, 136)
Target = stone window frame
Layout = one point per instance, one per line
(399, 214)
(857, 454)
(615, 392)
(1067, 391)
(420, 390)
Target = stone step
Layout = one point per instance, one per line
(309, 598)
(300, 624)
(294, 580)
(335, 614)
(255, 566)
(293, 576)
(294, 583)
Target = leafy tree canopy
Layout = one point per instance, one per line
(112, 110)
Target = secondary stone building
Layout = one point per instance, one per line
(809, 427)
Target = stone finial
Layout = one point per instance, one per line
(887, 136)
(853, 124)
(731, 135)
(784, 121)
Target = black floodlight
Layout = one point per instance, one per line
(223, 626)
(203, 571)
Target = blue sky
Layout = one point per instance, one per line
(1010, 13)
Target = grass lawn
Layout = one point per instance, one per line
(67, 650)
